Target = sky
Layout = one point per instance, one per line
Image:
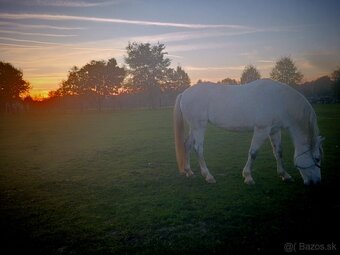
(210, 40)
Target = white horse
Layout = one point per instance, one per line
(264, 107)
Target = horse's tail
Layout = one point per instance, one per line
(179, 135)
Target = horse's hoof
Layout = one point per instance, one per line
(189, 173)
(210, 179)
(249, 181)
(287, 179)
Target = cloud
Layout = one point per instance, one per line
(30, 41)
(189, 35)
(74, 3)
(11, 45)
(31, 26)
(197, 46)
(325, 60)
(64, 3)
(34, 34)
(266, 61)
(214, 68)
(23, 16)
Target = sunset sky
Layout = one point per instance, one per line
(211, 40)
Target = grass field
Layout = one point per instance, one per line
(108, 183)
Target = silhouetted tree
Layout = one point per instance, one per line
(12, 85)
(203, 81)
(177, 80)
(148, 68)
(249, 74)
(73, 85)
(95, 80)
(101, 78)
(320, 87)
(285, 71)
(336, 83)
(228, 81)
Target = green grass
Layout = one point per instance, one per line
(108, 184)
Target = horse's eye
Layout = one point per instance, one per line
(317, 160)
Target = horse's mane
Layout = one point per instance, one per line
(312, 125)
(313, 128)
(305, 115)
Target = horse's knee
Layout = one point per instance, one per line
(252, 154)
(199, 150)
(188, 144)
(277, 150)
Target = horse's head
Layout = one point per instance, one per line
(309, 163)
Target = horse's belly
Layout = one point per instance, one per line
(241, 120)
(231, 120)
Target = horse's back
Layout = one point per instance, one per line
(259, 103)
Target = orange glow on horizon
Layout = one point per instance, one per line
(42, 84)
(39, 95)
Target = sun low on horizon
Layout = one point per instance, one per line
(210, 40)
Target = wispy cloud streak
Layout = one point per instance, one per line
(73, 3)
(213, 68)
(19, 25)
(11, 45)
(22, 16)
(34, 34)
(64, 3)
(191, 35)
(30, 41)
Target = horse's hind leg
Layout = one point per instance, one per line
(260, 135)
(188, 147)
(198, 135)
(275, 139)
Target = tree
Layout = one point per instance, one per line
(148, 68)
(228, 81)
(73, 84)
(101, 79)
(320, 87)
(336, 83)
(12, 85)
(177, 80)
(249, 74)
(95, 80)
(203, 81)
(285, 71)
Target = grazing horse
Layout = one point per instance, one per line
(264, 107)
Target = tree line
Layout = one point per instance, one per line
(147, 74)
(284, 71)
(146, 80)
(325, 89)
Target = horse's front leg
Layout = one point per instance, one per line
(275, 139)
(260, 135)
(198, 146)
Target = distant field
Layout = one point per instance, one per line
(86, 183)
